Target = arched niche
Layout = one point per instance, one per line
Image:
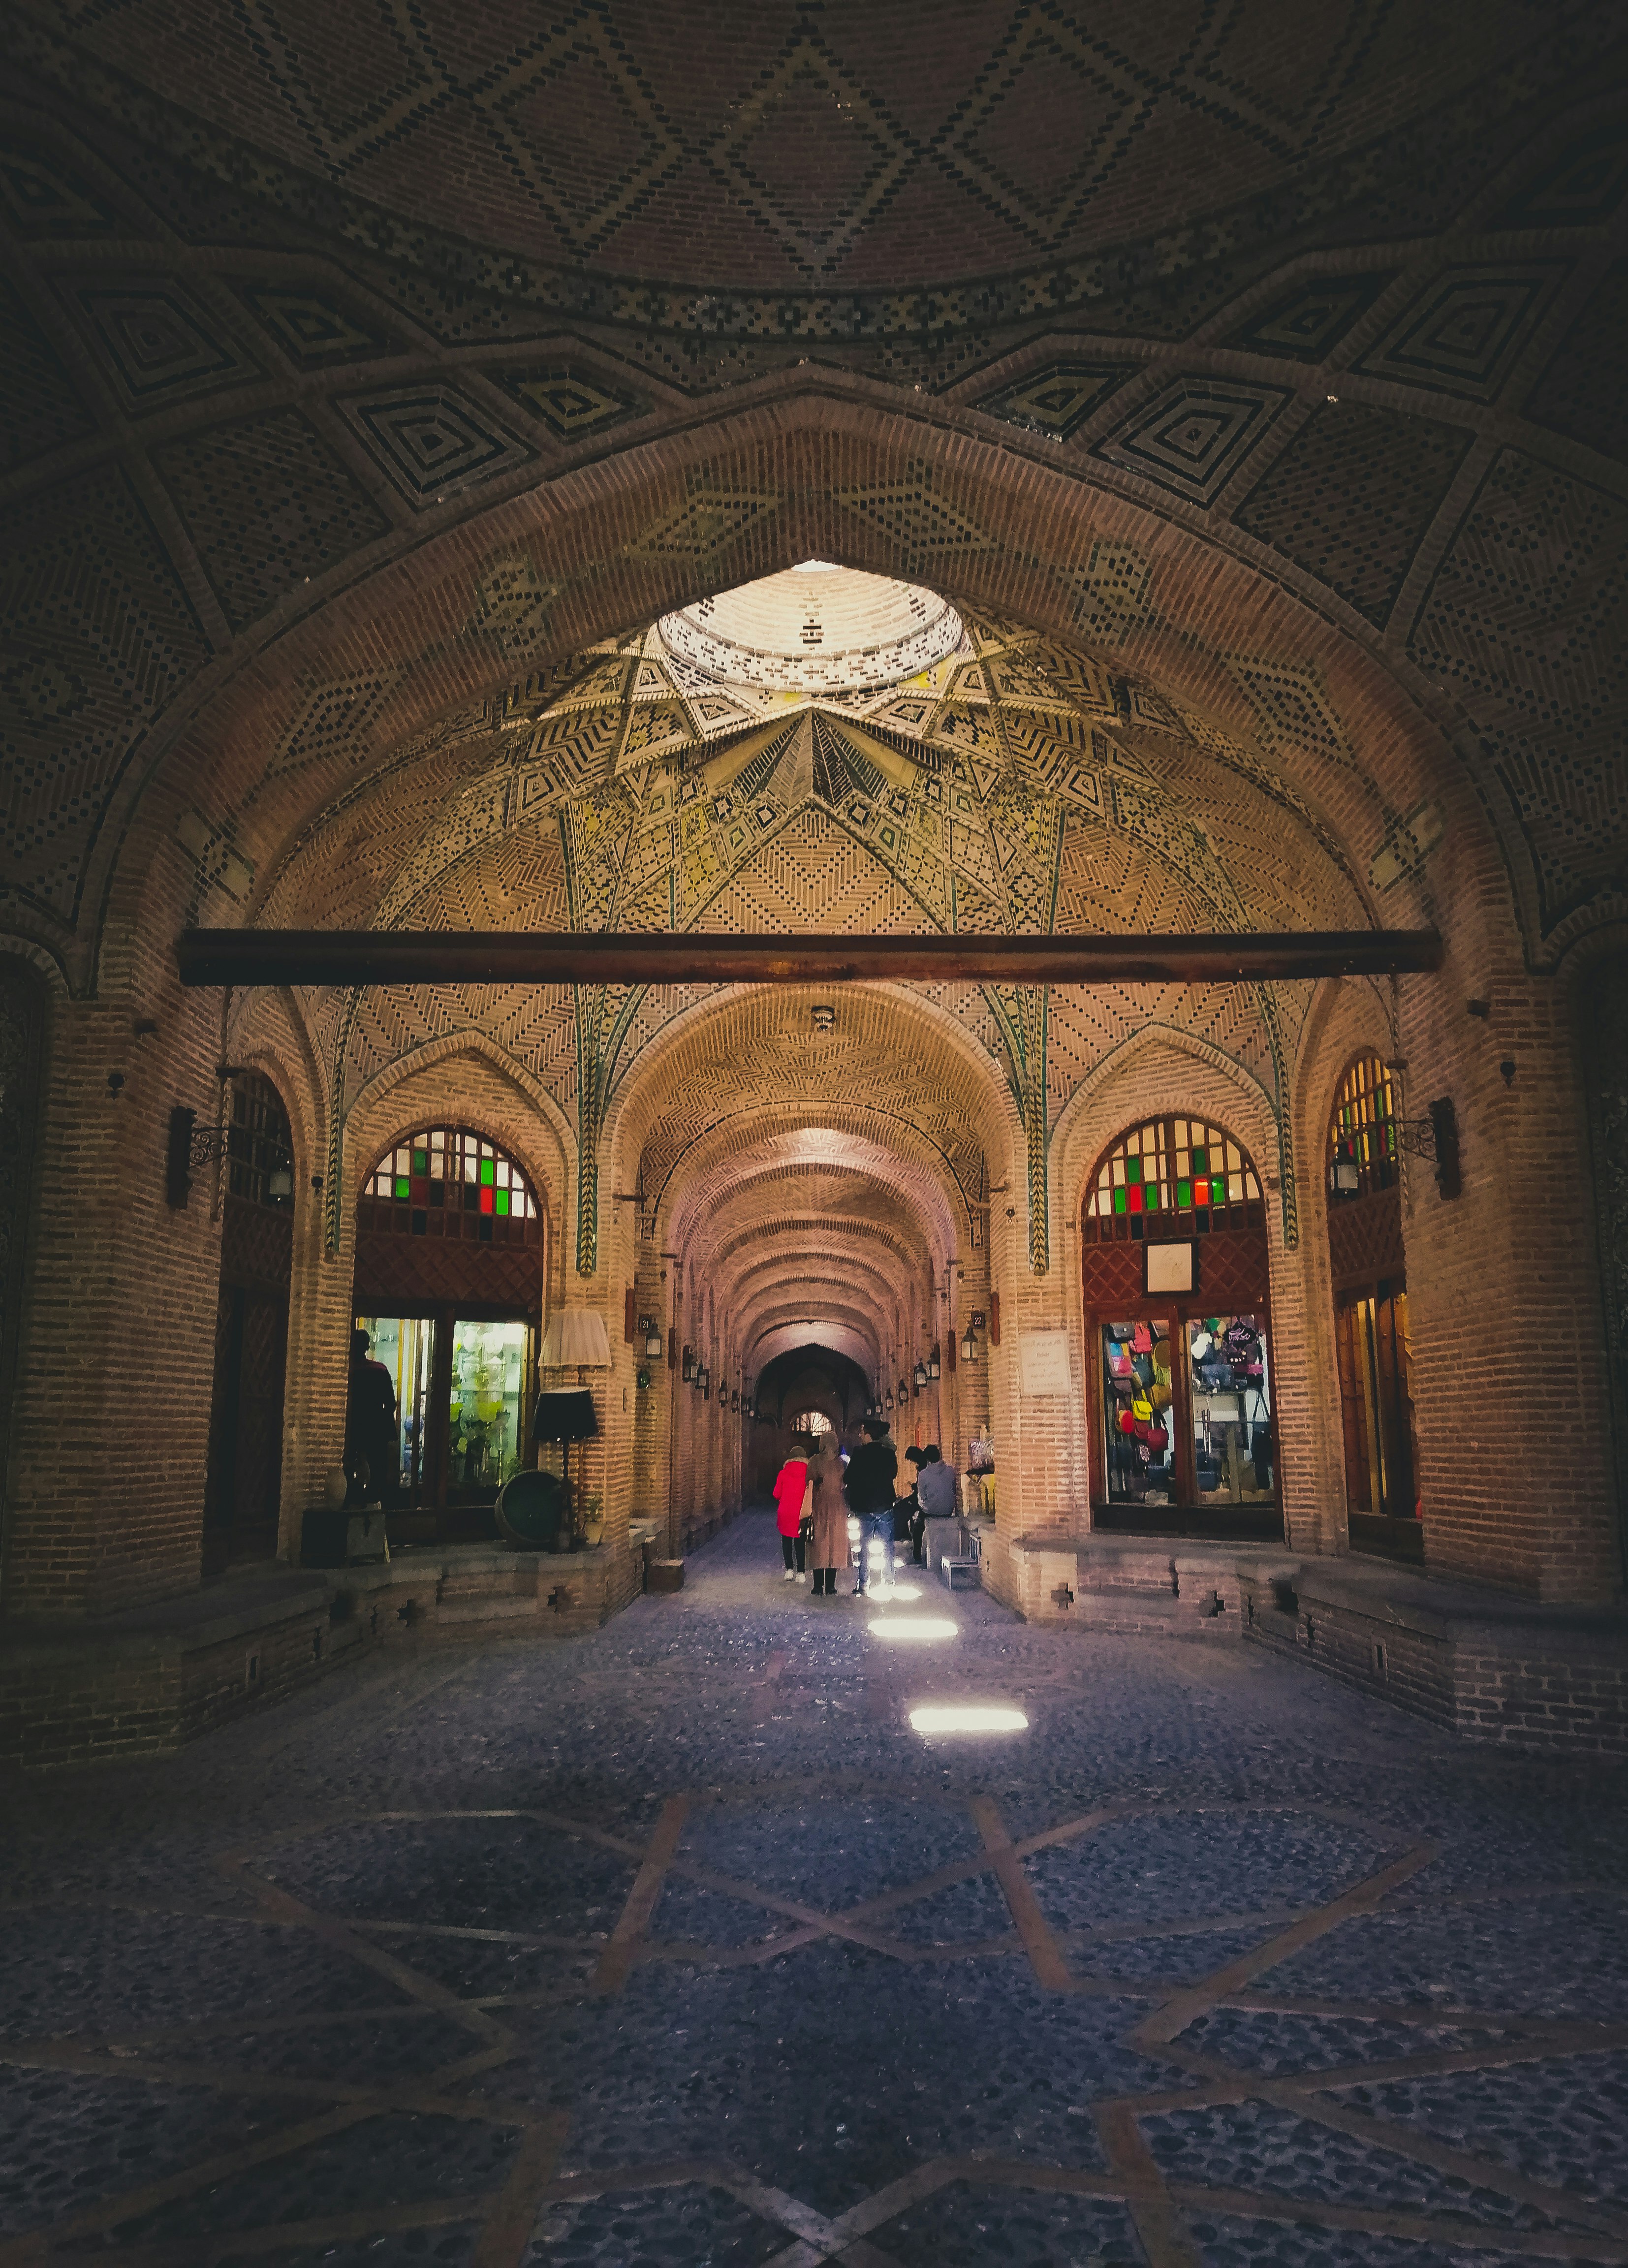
(1175, 1262)
(451, 1265)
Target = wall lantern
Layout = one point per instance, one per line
(933, 1361)
(904, 1392)
(968, 1346)
(887, 1399)
(652, 1337)
(921, 1376)
(704, 1379)
(688, 1374)
(280, 1184)
(734, 1402)
(1345, 1173)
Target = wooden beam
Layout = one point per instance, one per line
(346, 957)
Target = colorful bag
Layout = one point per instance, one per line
(1118, 1359)
(1142, 1339)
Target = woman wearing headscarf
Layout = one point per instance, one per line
(791, 1495)
(830, 1516)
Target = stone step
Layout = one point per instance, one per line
(495, 1606)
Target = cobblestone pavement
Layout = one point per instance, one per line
(678, 1944)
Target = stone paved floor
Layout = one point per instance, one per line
(677, 1944)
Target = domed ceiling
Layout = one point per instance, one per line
(770, 147)
(1011, 785)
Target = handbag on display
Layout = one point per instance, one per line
(1158, 1436)
(1142, 1339)
(1201, 1345)
(1214, 1374)
(1127, 1423)
(1242, 1338)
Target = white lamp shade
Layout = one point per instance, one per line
(575, 1338)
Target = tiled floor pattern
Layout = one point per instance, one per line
(676, 1945)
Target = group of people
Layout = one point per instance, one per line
(815, 1490)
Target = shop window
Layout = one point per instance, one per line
(1137, 1401)
(1182, 1433)
(1233, 1449)
(1179, 1173)
(1372, 1349)
(1362, 1132)
(448, 1182)
(1376, 1405)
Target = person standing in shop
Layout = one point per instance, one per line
(873, 1474)
(907, 1506)
(790, 1487)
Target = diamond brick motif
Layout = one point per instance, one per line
(312, 330)
(1057, 399)
(1463, 335)
(1307, 323)
(1194, 438)
(572, 407)
(159, 343)
(1581, 189)
(46, 200)
(432, 441)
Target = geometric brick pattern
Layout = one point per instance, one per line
(1580, 393)
(314, 330)
(432, 442)
(1351, 498)
(38, 409)
(158, 343)
(1527, 619)
(99, 637)
(570, 404)
(1463, 333)
(269, 504)
(1194, 438)
(1307, 323)
(1057, 400)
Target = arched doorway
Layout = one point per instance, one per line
(1178, 1364)
(452, 1248)
(243, 1488)
(1368, 1269)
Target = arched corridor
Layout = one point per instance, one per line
(743, 741)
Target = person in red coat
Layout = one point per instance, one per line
(791, 1489)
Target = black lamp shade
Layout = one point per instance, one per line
(567, 1417)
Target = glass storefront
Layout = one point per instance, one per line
(1233, 1449)
(404, 1344)
(1137, 1402)
(485, 1416)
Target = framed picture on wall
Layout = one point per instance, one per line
(1169, 1268)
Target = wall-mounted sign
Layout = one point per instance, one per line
(1170, 1266)
(1042, 1361)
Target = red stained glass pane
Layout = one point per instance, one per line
(1201, 1193)
(486, 1200)
(1134, 1196)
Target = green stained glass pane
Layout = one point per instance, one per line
(403, 1185)
(1119, 1200)
(502, 1200)
(486, 1173)
(1184, 1194)
(1133, 1169)
(1201, 1159)
(421, 1161)
(1150, 1194)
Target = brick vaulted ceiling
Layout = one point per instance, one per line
(1246, 379)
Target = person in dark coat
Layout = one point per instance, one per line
(829, 1549)
(907, 1508)
(873, 1474)
(372, 1433)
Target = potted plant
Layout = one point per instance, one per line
(592, 1521)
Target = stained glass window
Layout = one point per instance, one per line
(1177, 1168)
(1362, 1129)
(449, 1181)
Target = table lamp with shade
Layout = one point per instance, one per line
(574, 1338)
